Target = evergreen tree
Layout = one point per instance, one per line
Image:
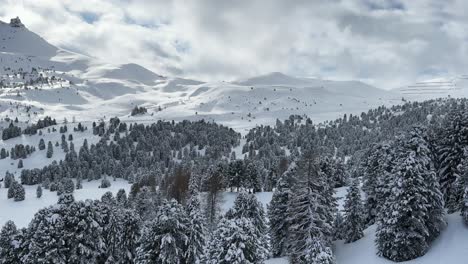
(50, 150)
(42, 145)
(67, 233)
(197, 231)
(234, 241)
(338, 227)
(39, 191)
(277, 213)
(164, 239)
(451, 141)
(121, 197)
(105, 183)
(309, 212)
(247, 206)
(377, 176)
(68, 185)
(9, 178)
(413, 214)
(353, 225)
(9, 244)
(16, 191)
(79, 184)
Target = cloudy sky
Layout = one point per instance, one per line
(387, 43)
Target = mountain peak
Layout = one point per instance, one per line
(16, 22)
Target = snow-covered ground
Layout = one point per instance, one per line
(449, 247)
(38, 158)
(22, 212)
(90, 89)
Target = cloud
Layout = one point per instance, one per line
(387, 43)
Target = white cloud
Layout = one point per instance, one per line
(386, 43)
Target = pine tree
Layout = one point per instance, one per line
(353, 225)
(338, 226)
(451, 141)
(234, 241)
(12, 189)
(377, 177)
(66, 199)
(42, 145)
(50, 150)
(18, 192)
(9, 244)
(105, 183)
(318, 253)
(413, 214)
(277, 213)
(67, 233)
(39, 191)
(121, 197)
(9, 178)
(79, 184)
(68, 185)
(164, 239)
(435, 219)
(247, 206)
(309, 211)
(197, 231)
(130, 236)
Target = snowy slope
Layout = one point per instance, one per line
(449, 247)
(89, 88)
(455, 87)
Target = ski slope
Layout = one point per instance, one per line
(455, 87)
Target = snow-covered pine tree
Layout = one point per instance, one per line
(413, 214)
(18, 192)
(247, 206)
(164, 239)
(213, 185)
(39, 191)
(68, 185)
(105, 183)
(70, 233)
(338, 231)
(318, 253)
(451, 141)
(377, 166)
(50, 150)
(308, 211)
(197, 231)
(234, 242)
(42, 145)
(9, 244)
(66, 198)
(121, 197)
(277, 212)
(79, 181)
(353, 225)
(252, 178)
(131, 222)
(9, 178)
(435, 219)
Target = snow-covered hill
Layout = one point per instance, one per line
(455, 87)
(61, 83)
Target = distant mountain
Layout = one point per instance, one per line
(48, 80)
